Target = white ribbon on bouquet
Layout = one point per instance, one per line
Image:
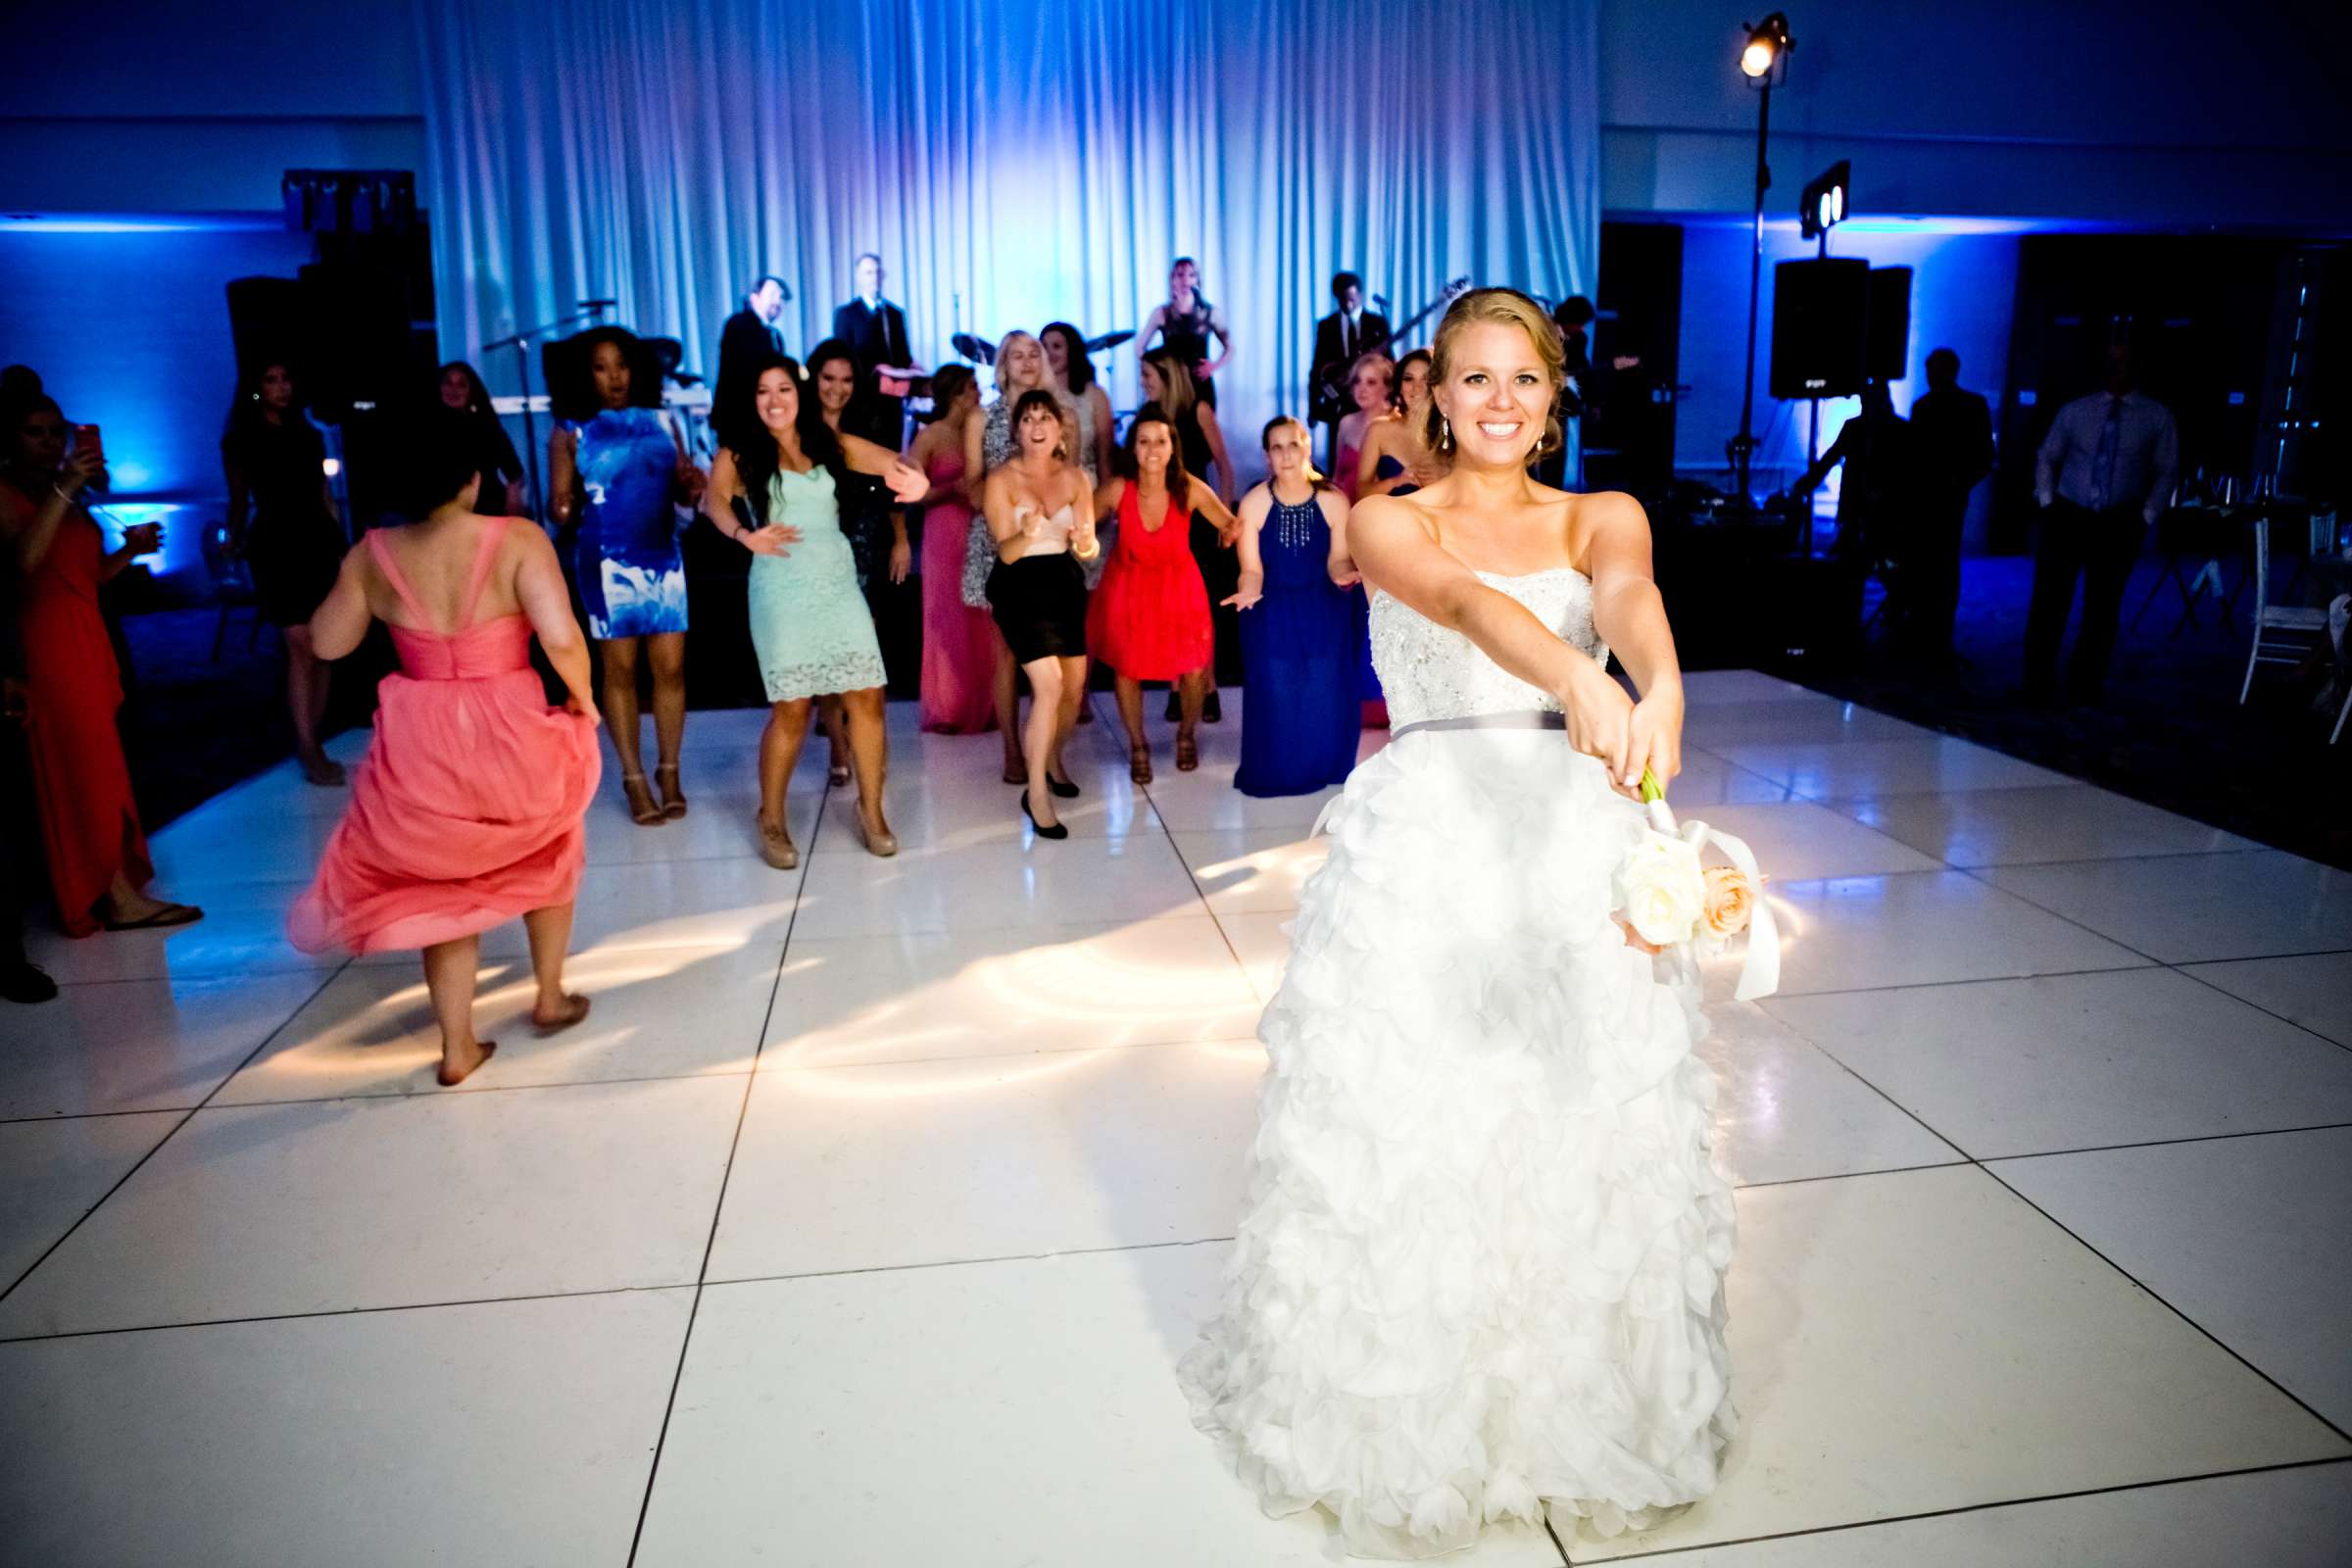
(1760, 971)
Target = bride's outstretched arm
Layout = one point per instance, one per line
(1396, 555)
(1630, 618)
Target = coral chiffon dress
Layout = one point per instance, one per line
(468, 807)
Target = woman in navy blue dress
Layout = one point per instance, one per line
(1302, 720)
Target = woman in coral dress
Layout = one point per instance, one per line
(960, 642)
(1150, 620)
(90, 830)
(468, 808)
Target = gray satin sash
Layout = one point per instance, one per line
(1528, 719)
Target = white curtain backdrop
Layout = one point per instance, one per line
(1014, 163)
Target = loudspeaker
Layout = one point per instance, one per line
(1886, 355)
(266, 321)
(368, 347)
(1819, 311)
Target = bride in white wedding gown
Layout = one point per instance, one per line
(1481, 1266)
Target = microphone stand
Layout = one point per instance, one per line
(520, 342)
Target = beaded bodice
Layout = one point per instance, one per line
(1429, 671)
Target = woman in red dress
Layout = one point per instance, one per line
(467, 810)
(97, 853)
(1150, 620)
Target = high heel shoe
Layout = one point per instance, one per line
(776, 846)
(1188, 755)
(1139, 764)
(881, 845)
(1059, 830)
(1063, 789)
(650, 813)
(673, 798)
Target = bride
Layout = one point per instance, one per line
(1481, 1266)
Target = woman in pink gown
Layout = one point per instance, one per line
(960, 643)
(468, 808)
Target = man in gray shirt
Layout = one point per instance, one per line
(2103, 474)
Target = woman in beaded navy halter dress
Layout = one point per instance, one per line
(1480, 1267)
(1298, 640)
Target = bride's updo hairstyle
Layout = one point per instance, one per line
(1505, 307)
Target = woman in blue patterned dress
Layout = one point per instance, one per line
(776, 489)
(618, 470)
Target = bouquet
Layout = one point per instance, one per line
(1667, 899)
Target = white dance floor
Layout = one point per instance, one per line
(865, 1220)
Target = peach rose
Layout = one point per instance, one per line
(1731, 898)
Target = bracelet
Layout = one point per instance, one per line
(61, 492)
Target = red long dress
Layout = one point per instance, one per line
(466, 810)
(89, 823)
(1149, 620)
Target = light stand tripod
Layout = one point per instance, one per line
(591, 311)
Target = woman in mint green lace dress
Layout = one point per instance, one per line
(774, 489)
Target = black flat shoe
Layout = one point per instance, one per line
(1063, 789)
(1059, 830)
(27, 983)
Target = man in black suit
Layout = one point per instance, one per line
(875, 330)
(749, 334)
(1340, 337)
(1951, 441)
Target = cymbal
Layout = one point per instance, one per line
(979, 349)
(1108, 340)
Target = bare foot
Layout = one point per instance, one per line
(568, 1010)
(483, 1050)
(321, 770)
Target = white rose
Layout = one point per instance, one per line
(1660, 890)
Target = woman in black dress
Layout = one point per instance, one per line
(501, 465)
(282, 522)
(1186, 323)
(1168, 382)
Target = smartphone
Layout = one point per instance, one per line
(85, 439)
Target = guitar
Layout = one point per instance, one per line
(1327, 391)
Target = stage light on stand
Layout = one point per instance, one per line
(1767, 52)
(1764, 62)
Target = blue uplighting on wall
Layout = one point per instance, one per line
(125, 316)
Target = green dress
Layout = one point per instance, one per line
(810, 623)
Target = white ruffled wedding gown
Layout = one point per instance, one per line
(1481, 1267)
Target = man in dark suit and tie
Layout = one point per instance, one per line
(1340, 337)
(1951, 443)
(875, 330)
(750, 333)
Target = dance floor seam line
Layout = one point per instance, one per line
(1973, 1507)
(376, 1310)
(325, 979)
(2101, 860)
(718, 1203)
(972, 1263)
(2190, 970)
(438, 1093)
(2159, 1298)
(995, 1056)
